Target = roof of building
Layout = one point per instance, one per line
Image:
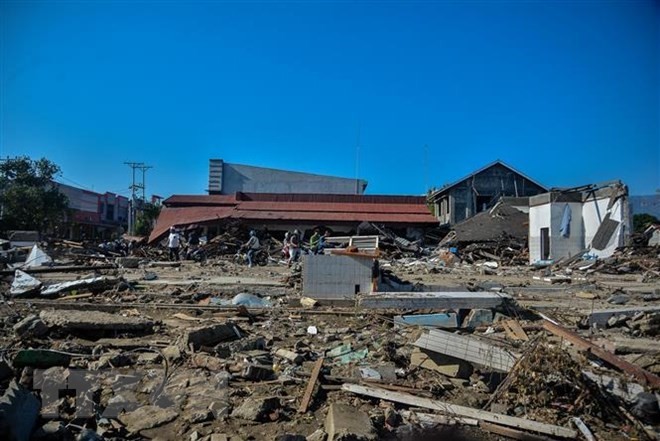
(182, 210)
(484, 168)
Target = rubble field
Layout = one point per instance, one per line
(138, 348)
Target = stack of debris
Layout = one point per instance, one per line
(499, 234)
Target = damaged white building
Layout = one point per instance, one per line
(593, 218)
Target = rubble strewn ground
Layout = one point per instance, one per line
(219, 351)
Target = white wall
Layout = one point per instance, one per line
(566, 246)
(585, 220)
(539, 217)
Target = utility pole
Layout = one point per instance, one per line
(135, 187)
(357, 161)
(144, 169)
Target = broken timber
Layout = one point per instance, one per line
(433, 300)
(621, 364)
(307, 398)
(514, 330)
(511, 433)
(467, 348)
(461, 411)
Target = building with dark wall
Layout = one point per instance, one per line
(226, 178)
(480, 190)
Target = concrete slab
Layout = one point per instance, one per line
(344, 423)
(436, 300)
(95, 321)
(449, 366)
(600, 317)
(467, 348)
(447, 320)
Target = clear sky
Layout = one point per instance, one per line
(567, 92)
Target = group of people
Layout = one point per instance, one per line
(292, 249)
(175, 241)
(293, 244)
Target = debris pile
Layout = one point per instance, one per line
(148, 349)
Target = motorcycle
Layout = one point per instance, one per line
(260, 257)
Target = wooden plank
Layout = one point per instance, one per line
(433, 300)
(514, 330)
(433, 419)
(511, 433)
(583, 429)
(467, 348)
(461, 411)
(621, 364)
(307, 398)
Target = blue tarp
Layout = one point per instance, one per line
(565, 228)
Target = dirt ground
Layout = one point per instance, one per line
(205, 385)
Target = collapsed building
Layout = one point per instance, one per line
(568, 222)
(283, 212)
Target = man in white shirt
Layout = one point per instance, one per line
(173, 243)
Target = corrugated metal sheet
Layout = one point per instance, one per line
(180, 199)
(181, 216)
(333, 207)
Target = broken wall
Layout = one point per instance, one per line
(336, 277)
(594, 212)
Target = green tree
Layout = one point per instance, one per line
(642, 221)
(29, 200)
(146, 219)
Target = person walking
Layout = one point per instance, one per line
(173, 243)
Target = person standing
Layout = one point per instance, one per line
(314, 241)
(294, 247)
(252, 246)
(285, 246)
(173, 243)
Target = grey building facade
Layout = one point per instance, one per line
(226, 178)
(480, 190)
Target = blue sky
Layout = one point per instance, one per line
(567, 92)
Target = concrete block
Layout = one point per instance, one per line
(447, 320)
(128, 262)
(73, 320)
(444, 364)
(210, 336)
(478, 317)
(147, 417)
(346, 423)
(31, 326)
(257, 409)
(293, 357)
